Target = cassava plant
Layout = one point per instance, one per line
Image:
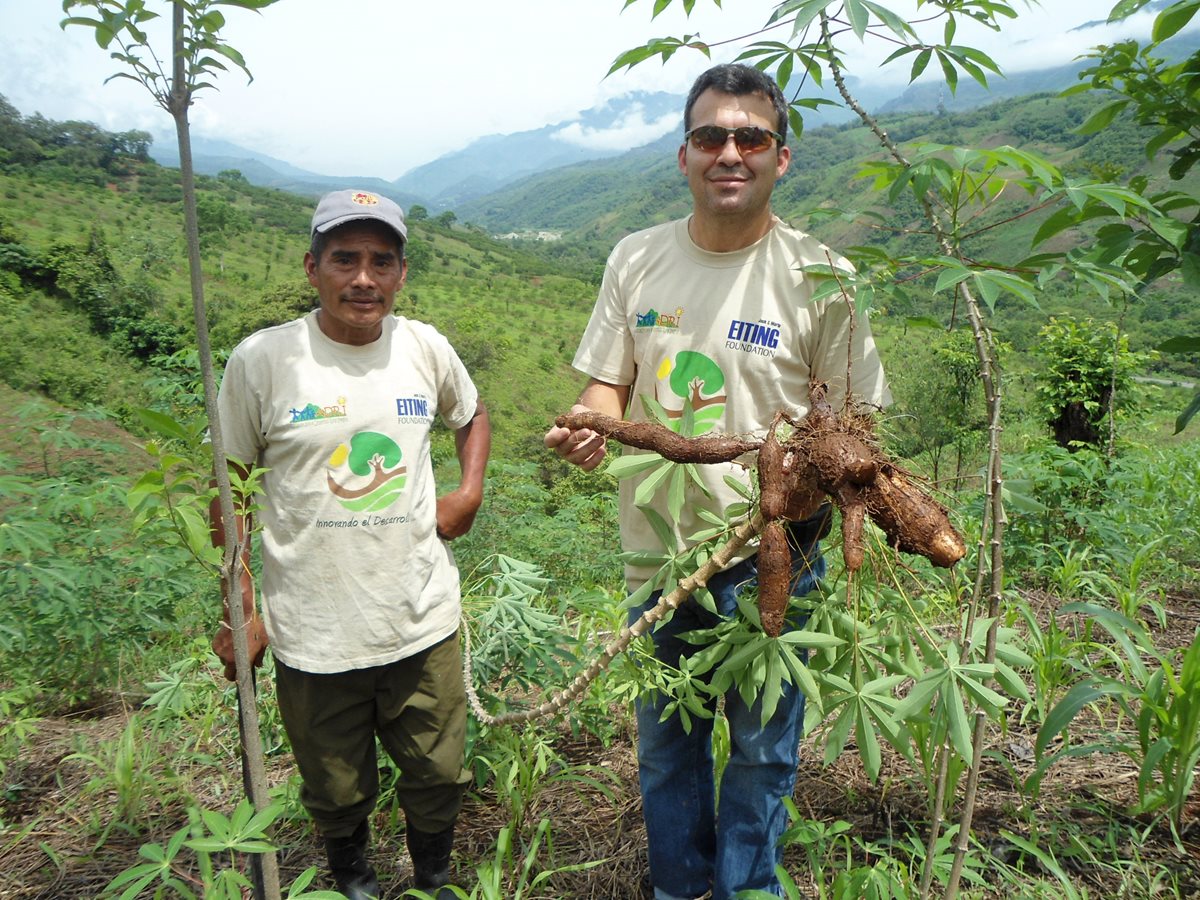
(197, 55)
(65, 551)
(1161, 94)
(209, 870)
(824, 454)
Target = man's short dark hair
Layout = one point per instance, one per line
(738, 80)
(320, 239)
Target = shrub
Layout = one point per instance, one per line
(1087, 365)
(82, 594)
(286, 302)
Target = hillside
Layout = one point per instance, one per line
(608, 198)
(90, 240)
(118, 742)
(593, 205)
(95, 307)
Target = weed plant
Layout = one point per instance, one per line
(1114, 507)
(134, 773)
(213, 871)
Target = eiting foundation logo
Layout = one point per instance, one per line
(760, 338)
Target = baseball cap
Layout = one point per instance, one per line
(339, 207)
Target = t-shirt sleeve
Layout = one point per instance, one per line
(458, 397)
(240, 412)
(606, 348)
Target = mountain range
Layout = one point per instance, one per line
(632, 122)
(485, 165)
(640, 124)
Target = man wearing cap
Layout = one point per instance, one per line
(360, 593)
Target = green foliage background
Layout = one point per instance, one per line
(94, 309)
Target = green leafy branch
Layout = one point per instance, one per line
(214, 839)
(123, 23)
(179, 488)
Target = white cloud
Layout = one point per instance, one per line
(1050, 40)
(631, 131)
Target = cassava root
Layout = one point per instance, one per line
(663, 441)
(843, 460)
(774, 577)
(824, 454)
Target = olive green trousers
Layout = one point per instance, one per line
(417, 706)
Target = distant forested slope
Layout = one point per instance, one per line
(94, 301)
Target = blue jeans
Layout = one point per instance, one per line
(692, 850)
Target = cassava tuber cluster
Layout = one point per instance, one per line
(839, 456)
(824, 454)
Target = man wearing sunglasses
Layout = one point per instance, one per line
(708, 323)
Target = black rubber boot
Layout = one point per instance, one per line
(431, 860)
(348, 863)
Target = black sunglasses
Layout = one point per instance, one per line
(748, 138)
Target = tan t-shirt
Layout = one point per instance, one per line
(733, 335)
(354, 574)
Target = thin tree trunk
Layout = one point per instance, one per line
(994, 516)
(942, 766)
(252, 748)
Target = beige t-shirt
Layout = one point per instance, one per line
(733, 335)
(354, 574)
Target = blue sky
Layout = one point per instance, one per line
(377, 87)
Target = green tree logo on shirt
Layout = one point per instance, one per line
(688, 399)
(369, 455)
(699, 383)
